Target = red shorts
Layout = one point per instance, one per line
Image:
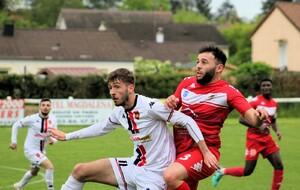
(265, 148)
(193, 162)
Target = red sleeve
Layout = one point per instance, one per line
(238, 101)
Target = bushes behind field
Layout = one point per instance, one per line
(285, 84)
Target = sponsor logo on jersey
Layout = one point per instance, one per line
(142, 139)
(198, 166)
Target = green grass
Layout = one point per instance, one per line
(65, 155)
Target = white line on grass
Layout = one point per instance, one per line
(22, 170)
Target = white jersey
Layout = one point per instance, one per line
(146, 122)
(37, 136)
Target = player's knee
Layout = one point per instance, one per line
(248, 172)
(78, 172)
(169, 177)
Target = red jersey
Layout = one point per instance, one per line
(209, 105)
(271, 107)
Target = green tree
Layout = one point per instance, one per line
(203, 8)
(46, 12)
(151, 66)
(240, 45)
(184, 16)
(227, 13)
(247, 76)
(148, 5)
(104, 4)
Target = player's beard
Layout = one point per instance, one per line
(124, 100)
(207, 77)
(44, 114)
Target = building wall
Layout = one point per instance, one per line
(265, 42)
(34, 66)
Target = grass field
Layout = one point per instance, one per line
(65, 155)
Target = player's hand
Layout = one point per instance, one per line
(171, 102)
(261, 114)
(13, 146)
(210, 160)
(59, 135)
(264, 128)
(51, 141)
(278, 135)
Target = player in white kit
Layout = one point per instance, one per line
(145, 119)
(37, 138)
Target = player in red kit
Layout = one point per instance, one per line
(259, 141)
(208, 100)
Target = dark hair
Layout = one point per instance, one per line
(45, 100)
(265, 80)
(121, 74)
(217, 52)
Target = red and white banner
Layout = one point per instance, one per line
(11, 110)
(80, 111)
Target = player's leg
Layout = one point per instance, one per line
(35, 158)
(49, 179)
(96, 171)
(175, 175)
(276, 161)
(26, 178)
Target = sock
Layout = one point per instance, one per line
(238, 172)
(183, 186)
(49, 179)
(72, 184)
(26, 178)
(277, 179)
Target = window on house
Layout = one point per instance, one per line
(282, 55)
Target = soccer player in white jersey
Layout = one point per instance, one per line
(145, 119)
(35, 144)
(208, 100)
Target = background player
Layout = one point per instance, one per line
(36, 141)
(145, 120)
(208, 100)
(259, 141)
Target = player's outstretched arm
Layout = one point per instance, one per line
(256, 117)
(57, 134)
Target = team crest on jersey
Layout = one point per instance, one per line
(185, 93)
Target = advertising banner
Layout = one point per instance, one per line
(80, 111)
(11, 110)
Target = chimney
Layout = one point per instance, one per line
(160, 38)
(8, 28)
(102, 26)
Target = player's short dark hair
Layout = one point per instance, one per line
(45, 100)
(216, 51)
(121, 74)
(265, 80)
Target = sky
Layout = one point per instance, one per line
(245, 8)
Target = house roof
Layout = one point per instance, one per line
(291, 10)
(171, 31)
(52, 44)
(91, 18)
(72, 71)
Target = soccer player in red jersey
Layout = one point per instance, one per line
(259, 141)
(208, 100)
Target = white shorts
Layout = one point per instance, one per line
(35, 157)
(131, 177)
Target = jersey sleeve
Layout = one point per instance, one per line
(99, 129)
(160, 112)
(23, 122)
(237, 100)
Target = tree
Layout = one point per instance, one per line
(104, 4)
(240, 45)
(227, 13)
(269, 4)
(203, 8)
(184, 16)
(46, 12)
(151, 66)
(149, 5)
